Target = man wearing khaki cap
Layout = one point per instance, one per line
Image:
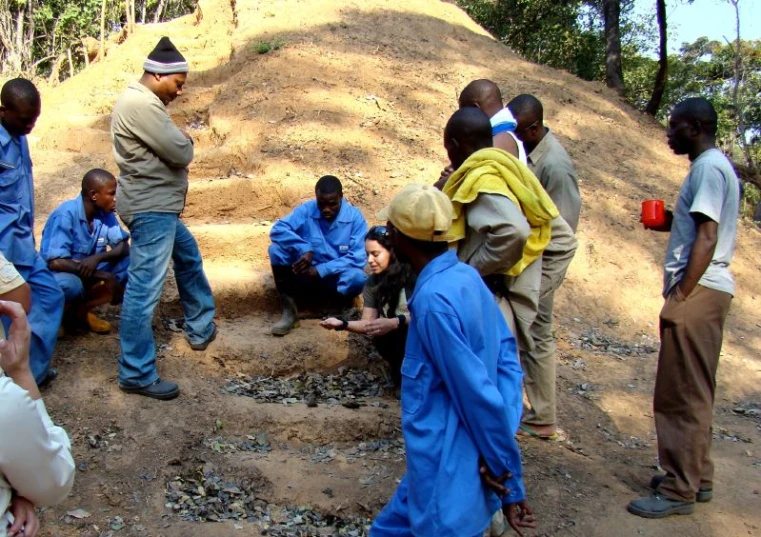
(461, 388)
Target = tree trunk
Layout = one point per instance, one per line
(614, 75)
(159, 10)
(663, 62)
(129, 8)
(19, 52)
(55, 73)
(143, 7)
(102, 53)
(71, 62)
(29, 45)
(739, 132)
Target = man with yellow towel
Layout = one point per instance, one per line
(503, 221)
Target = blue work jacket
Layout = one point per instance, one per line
(67, 233)
(16, 200)
(337, 245)
(461, 402)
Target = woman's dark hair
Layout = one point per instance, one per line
(396, 277)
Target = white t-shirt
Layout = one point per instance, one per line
(711, 189)
(504, 121)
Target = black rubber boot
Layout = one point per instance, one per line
(283, 282)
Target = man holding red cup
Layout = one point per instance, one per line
(698, 288)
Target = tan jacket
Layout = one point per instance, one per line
(554, 169)
(152, 154)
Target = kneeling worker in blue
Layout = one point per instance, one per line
(318, 252)
(88, 251)
(461, 388)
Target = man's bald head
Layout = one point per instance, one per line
(467, 131)
(483, 94)
(701, 111)
(95, 179)
(529, 116)
(525, 105)
(99, 190)
(19, 106)
(19, 91)
(692, 127)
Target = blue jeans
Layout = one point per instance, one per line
(74, 288)
(157, 238)
(44, 317)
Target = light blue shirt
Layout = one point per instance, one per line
(713, 190)
(67, 233)
(461, 401)
(16, 200)
(337, 245)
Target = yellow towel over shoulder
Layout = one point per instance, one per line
(494, 171)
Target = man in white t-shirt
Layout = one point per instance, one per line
(698, 288)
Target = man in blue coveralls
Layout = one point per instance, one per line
(461, 388)
(20, 106)
(318, 250)
(88, 251)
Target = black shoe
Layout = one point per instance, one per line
(161, 389)
(50, 375)
(659, 506)
(202, 346)
(702, 496)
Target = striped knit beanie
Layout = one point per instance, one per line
(165, 59)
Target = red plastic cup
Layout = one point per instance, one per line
(653, 213)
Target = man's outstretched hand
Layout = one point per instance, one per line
(519, 515)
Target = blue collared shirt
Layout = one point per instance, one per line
(67, 233)
(16, 200)
(337, 245)
(461, 401)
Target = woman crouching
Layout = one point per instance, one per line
(385, 314)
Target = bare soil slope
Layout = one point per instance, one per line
(362, 90)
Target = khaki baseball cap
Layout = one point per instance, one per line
(421, 212)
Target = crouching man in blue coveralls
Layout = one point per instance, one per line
(88, 251)
(461, 388)
(20, 106)
(318, 251)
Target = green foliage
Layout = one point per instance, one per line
(60, 25)
(568, 34)
(263, 47)
(751, 199)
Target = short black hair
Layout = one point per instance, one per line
(96, 178)
(526, 105)
(700, 110)
(470, 124)
(328, 184)
(19, 91)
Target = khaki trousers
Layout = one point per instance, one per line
(539, 363)
(691, 335)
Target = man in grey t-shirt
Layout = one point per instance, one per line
(698, 289)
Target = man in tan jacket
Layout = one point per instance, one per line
(153, 156)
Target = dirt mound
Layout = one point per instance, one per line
(284, 91)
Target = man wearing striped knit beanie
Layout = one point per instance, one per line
(153, 156)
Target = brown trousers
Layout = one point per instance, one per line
(691, 335)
